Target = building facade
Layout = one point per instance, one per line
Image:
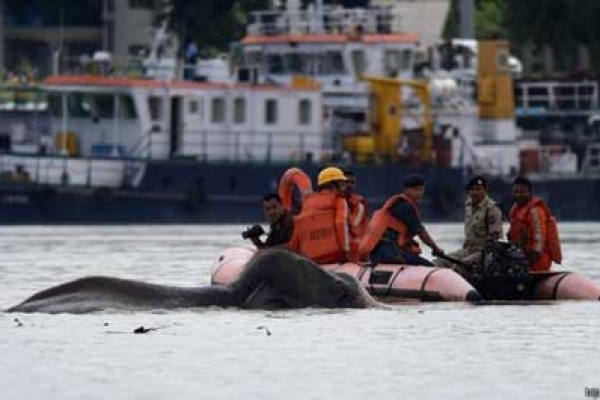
(50, 36)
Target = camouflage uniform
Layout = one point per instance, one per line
(481, 222)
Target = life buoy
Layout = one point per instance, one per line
(293, 187)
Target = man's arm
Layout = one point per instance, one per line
(253, 234)
(428, 240)
(257, 242)
(406, 213)
(280, 232)
(341, 224)
(494, 221)
(536, 233)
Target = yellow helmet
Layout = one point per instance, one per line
(330, 174)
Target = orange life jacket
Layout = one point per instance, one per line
(519, 229)
(358, 215)
(293, 178)
(383, 220)
(358, 220)
(321, 229)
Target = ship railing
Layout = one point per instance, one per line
(558, 159)
(63, 170)
(142, 149)
(244, 146)
(591, 160)
(328, 19)
(554, 160)
(533, 98)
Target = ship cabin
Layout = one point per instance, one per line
(334, 46)
(100, 131)
(331, 44)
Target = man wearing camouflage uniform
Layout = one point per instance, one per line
(483, 221)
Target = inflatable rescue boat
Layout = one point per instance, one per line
(400, 283)
(494, 280)
(386, 282)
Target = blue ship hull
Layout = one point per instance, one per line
(192, 192)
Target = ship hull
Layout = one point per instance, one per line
(193, 192)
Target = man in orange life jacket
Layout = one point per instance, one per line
(533, 228)
(321, 229)
(358, 216)
(391, 232)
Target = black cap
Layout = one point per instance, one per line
(521, 180)
(477, 181)
(413, 181)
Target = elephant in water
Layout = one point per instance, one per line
(273, 279)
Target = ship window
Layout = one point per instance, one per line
(359, 62)
(193, 107)
(88, 105)
(239, 110)
(406, 59)
(218, 110)
(156, 108)
(271, 112)
(55, 105)
(79, 106)
(275, 63)
(392, 63)
(127, 109)
(103, 105)
(295, 63)
(304, 112)
(335, 62)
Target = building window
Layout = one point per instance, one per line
(271, 112)
(218, 110)
(110, 36)
(239, 110)
(304, 112)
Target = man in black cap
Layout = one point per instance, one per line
(483, 221)
(391, 232)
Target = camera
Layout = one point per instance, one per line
(253, 232)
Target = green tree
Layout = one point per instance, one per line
(212, 24)
(490, 19)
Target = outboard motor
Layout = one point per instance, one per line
(502, 273)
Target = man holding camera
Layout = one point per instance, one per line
(281, 228)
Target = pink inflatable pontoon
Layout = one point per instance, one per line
(398, 283)
(388, 283)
